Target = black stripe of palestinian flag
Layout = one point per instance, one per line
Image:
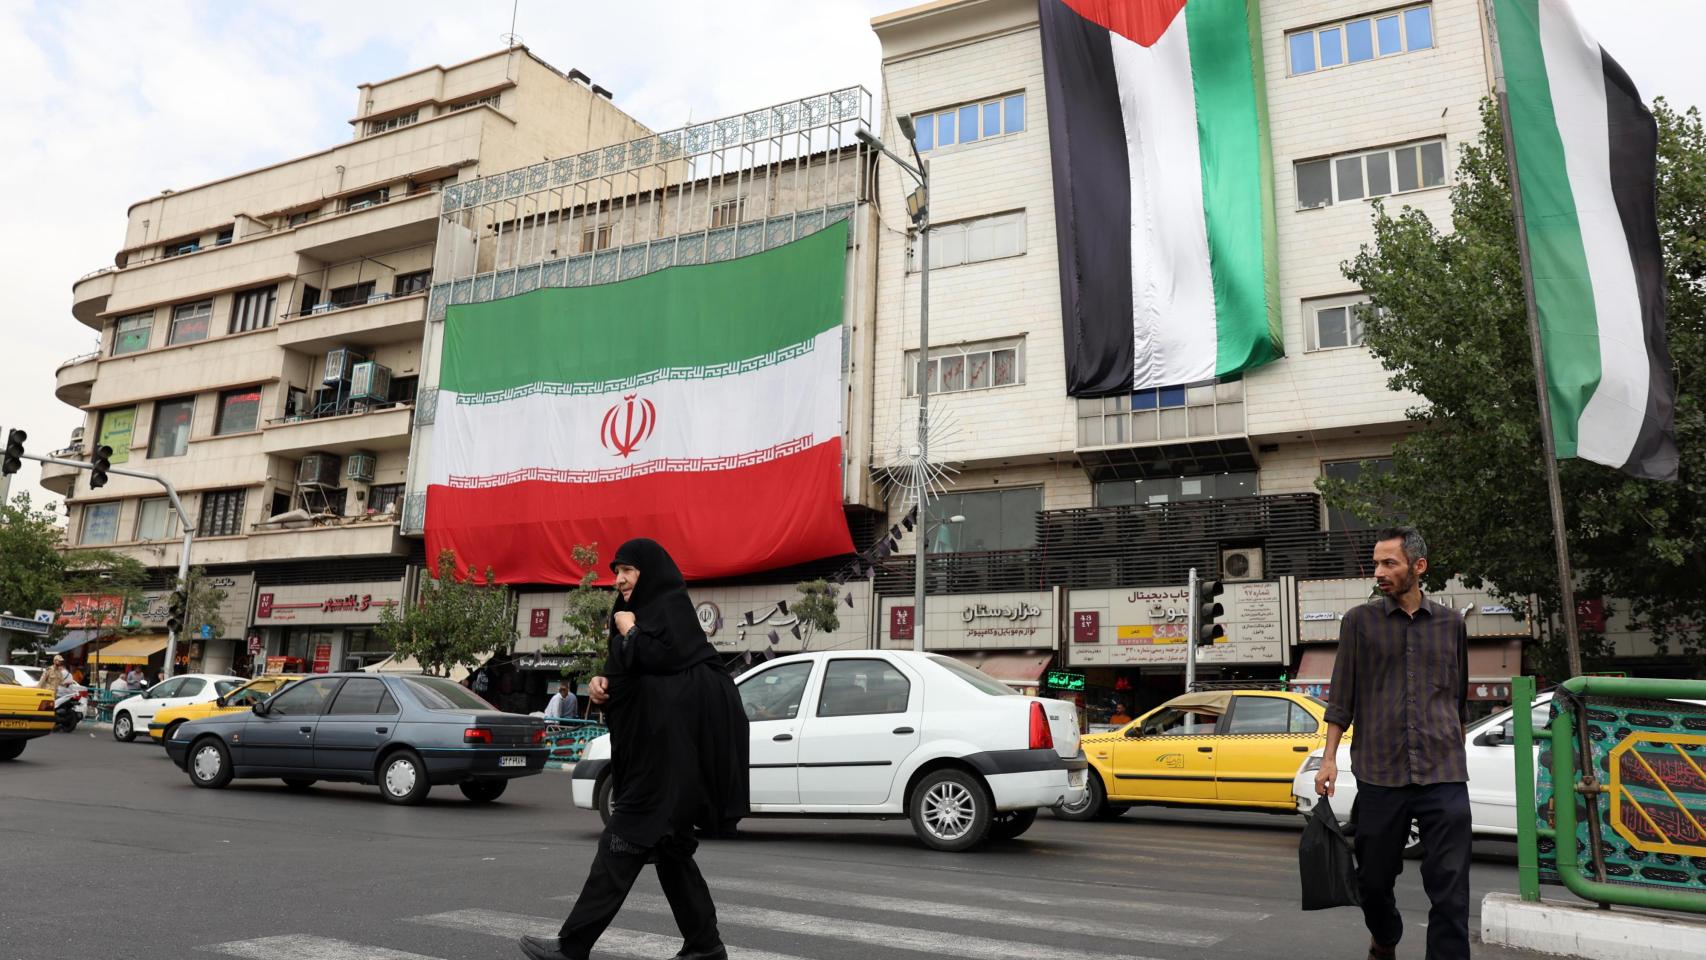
(1586, 152)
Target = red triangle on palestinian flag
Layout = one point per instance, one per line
(1140, 21)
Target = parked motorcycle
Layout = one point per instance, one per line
(71, 707)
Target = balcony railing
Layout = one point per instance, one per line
(339, 408)
(329, 307)
(80, 358)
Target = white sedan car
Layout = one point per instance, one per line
(882, 734)
(21, 675)
(133, 714)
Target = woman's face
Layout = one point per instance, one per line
(626, 578)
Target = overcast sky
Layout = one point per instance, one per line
(117, 101)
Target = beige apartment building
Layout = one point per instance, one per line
(260, 346)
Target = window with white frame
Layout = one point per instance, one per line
(974, 241)
(1162, 414)
(190, 322)
(392, 123)
(100, 523)
(155, 519)
(969, 366)
(728, 213)
(1361, 39)
(130, 334)
(970, 122)
(1367, 174)
(1330, 323)
(490, 98)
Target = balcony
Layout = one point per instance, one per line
(353, 538)
(380, 320)
(74, 381)
(371, 228)
(89, 296)
(365, 428)
(61, 479)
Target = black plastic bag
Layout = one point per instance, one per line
(1326, 862)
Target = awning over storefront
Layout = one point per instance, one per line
(1317, 664)
(72, 640)
(135, 650)
(1019, 669)
(410, 666)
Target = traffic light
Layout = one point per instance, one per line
(14, 458)
(1209, 611)
(175, 606)
(100, 462)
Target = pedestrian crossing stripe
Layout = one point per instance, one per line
(614, 943)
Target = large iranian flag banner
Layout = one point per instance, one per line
(700, 406)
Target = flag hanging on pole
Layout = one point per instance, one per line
(1586, 159)
(1164, 194)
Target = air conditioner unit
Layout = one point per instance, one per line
(340, 364)
(360, 466)
(371, 382)
(318, 468)
(326, 307)
(1241, 563)
(361, 205)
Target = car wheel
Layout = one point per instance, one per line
(950, 810)
(1093, 805)
(124, 728)
(12, 749)
(1011, 823)
(1114, 811)
(171, 731)
(1413, 843)
(298, 784)
(601, 798)
(403, 778)
(209, 763)
(483, 791)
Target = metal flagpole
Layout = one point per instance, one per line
(1554, 492)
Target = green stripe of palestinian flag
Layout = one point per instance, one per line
(1586, 156)
(681, 322)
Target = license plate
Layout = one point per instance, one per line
(1075, 778)
(512, 761)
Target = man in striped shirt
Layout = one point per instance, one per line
(1402, 676)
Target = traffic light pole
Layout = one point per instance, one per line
(183, 520)
(1193, 623)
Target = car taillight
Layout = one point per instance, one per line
(539, 736)
(46, 706)
(477, 735)
(1041, 737)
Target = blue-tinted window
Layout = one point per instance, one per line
(945, 130)
(1387, 29)
(1359, 37)
(1143, 400)
(991, 119)
(1015, 110)
(1303, 52)
(1172, 396)
(925, 127)
(1332, 47)
(968, 124)
(1419, 28)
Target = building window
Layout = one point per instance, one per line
(992, 520)
(252, 309)
(170, 434)
(355, 293)
(602, 238)
(100, 523)
(975, 241)
(969, 366)
(178, 248)
(130, 334)
(1360, 40)
(362, 201)
(1333, 322)
(970, 122)
(155, 519)
(490, 98)
(1213, 486)
(392, 123)
(1349, 470)
(225, 236)
(728, 213)
(1364, 176)
(384, 497)
(1161, 414)
(403, 389)
(221, 513)
(239, 411)
(190, 322)
(407, 283)
(115, 429)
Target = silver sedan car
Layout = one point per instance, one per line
(402, 733)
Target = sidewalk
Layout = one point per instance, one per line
(1573, 928)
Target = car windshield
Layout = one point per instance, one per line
(437, 693)
(977, 678)
(226, 686)
(6, 680)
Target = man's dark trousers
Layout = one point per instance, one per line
(1382, 816)
(614, 870)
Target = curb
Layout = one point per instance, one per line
(1580, 929)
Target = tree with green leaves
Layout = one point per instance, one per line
(453, 621)
(38, 573)
(201, 607)
(1449, 321)
(817, 609)
(587, 620)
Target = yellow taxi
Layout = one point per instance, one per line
(1216, 748)
(25, 714)
(242, 698)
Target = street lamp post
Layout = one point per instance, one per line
(918, 206)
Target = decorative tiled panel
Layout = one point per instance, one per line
(426, 406)
(414, 513)
(633, 261)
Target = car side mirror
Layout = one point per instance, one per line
(220, 701)
(260, 709)
(1507, 732)
(1135, 730)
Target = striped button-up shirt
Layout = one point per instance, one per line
(1404, 681)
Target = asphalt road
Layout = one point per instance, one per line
(107, 850)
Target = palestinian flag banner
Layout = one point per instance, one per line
(1163, 190)
(700, 406)
(1586, 156)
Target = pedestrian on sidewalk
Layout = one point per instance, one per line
(1402, 676)
(562, 703)
(678, 756)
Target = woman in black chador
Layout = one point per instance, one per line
(678, 757)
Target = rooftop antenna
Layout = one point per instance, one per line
(511, 38)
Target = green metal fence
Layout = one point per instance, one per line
(1651, 799)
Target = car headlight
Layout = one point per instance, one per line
(1312, 764)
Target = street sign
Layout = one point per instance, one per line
(206, 632)
(44, 616)
(24, 625)
(1062, 680)
(254, 645)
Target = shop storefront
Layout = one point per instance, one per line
(203, 648)
(1010, 636)
(322, 628)
(1129, 645)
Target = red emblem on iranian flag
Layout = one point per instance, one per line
(627, 425)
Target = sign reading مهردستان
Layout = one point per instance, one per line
(700, 406)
